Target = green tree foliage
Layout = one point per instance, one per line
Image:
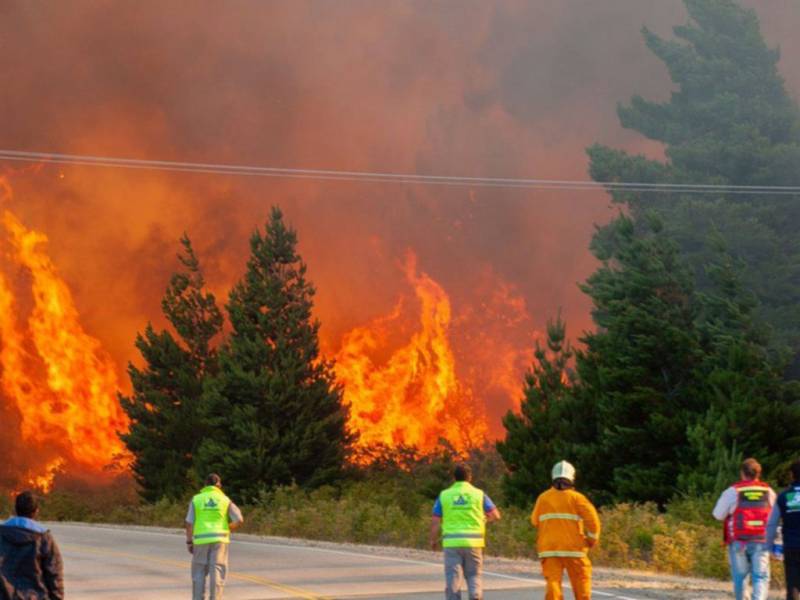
(537, 436)
(751, 410)
(729, 121)
(683, 377)
(166, 423)
(639, 368)
(276, 411)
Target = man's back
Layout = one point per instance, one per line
(30, 563)
(564, 518)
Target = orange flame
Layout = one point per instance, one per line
(63, 383)
(44, 480)
(414, 398)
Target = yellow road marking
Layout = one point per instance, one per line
(297, 592)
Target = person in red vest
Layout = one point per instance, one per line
(744, 509)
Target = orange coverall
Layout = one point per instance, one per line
(566, 519)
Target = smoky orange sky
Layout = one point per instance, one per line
(514, 88)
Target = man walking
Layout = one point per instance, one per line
(568, 526)
(30, 563)
(211, 518)
(786, 512)
(460, 514)
(744, 508)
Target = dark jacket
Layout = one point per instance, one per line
(789, 506)
(30, 565)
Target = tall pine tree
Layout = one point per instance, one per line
(751, 410)
(729, 121)
(638, 370)
(276, 411)
(166, 424)
(538, 436)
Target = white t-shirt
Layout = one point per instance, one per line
(727, 503)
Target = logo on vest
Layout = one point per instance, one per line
(754, 495)
(210, 504)
(460, 500)
(793, 500)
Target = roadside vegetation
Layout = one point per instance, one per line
(691, 366)
(390, 504)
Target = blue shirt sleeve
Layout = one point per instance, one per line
(437, 508)
(488, 505)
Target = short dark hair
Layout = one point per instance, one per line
(213, 479)
(462, 472)
(795, 469)
(751, 468)
(26, 504)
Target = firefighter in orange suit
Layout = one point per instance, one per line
(568, 526)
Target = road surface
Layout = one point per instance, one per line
(115, 563)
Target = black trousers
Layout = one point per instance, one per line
(791, 564)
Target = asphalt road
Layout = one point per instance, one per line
(114, 564)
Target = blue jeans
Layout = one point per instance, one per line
(749, 558)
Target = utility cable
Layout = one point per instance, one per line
(396, 178)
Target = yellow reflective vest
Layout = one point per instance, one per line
(463, 519)
(565, 519)
(211, 517)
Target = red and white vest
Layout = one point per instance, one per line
(748, 522)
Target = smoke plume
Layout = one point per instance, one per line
(515, 88)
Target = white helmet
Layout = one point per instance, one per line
(564, 470)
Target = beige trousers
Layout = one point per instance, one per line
(460, 564)
(209, 561)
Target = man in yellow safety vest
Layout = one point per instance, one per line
(211, 518)
(460, 514)
(568, 526)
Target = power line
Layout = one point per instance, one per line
(395, 178)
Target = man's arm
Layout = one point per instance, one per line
(490, 510)
(189, 527)
(724, 505)
(493, 515)
(535, 514)
(53, 571)
(189, 536)
(436, 526)
(591, 522)
(235, 518)
(772, 526)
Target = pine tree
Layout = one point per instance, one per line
(275, 408)
(637, 374)
(537, 436)
(166, 424)
(730, 121)
(752, 411)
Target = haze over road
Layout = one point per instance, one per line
(116, 563)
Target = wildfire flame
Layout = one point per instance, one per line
(42, 479)
(414, 398)
(63, 384)
(403, 382)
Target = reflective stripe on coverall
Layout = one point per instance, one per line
(565, 519)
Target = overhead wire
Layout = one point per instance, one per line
(395, 178)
